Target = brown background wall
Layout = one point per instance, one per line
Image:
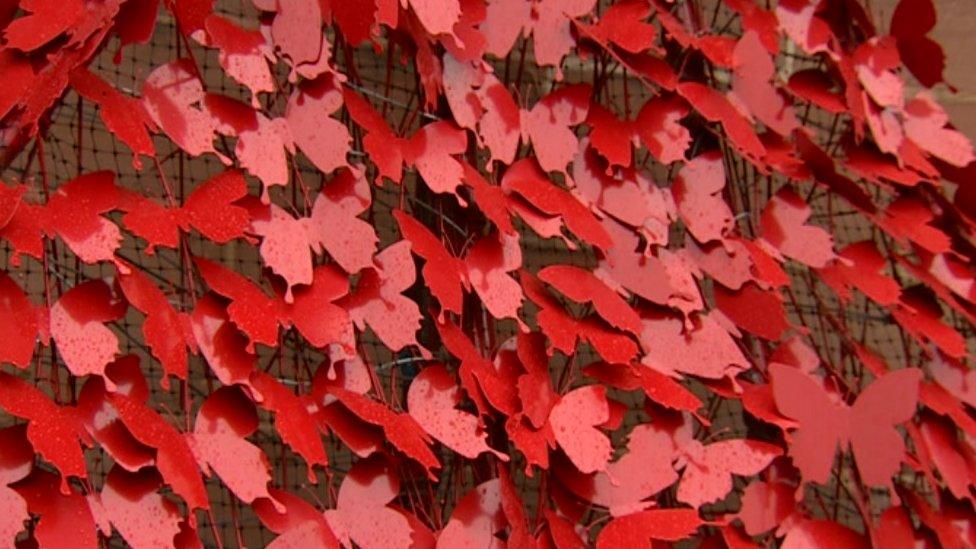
(956, 31)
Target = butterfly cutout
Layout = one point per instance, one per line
(262, 144)
(124, 116)
(432, 400)
(78, 327)
(297, 29)
(128, 497)
(708, 470)
(926, 124)
(173, 96)
(575, 418)
(581, 285)
(654, 524)
(783, 226)
(704, 349)
(219, 444)
(625, 268)
(313, 311)
(752, 74)
(622, 25)
(477, 519)
(97, 412)
(165, 330)
(481, 103)
(911, 22)
(628, 196)
(486, 384)
(293, 421)
(297, 522)
(629, 481)
(716, 48)
(483, 269)
(754, 310)
(17, 464)
(53, 430)
(42, 22)
(400, 429)
(715, 107)
(287, 243)
(696, 192)
(548, 125)
(65, 516)
(859, 265)
(364, 512)
(324, 140)
(75, 214)
(430, 150)
(220, 342)
(548, 22)
(563, 330)
(867, 425)
(209, 209)
(174, 458)
(24, 323)
(244, 55)
(525, 179)
(378, 300)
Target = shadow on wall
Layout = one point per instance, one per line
(954, 32)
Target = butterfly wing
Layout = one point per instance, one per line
(708, 476)
(53, 430)
(256, 314)
(18, 321)
(799, 397)
(878, 447)
(575, 421)
(210, 209)
(442, 272)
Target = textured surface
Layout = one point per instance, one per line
(466, 272)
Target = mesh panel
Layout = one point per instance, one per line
(77, 142)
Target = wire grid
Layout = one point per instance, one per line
(77, 142)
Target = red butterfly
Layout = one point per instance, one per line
(432, 400)
(21, 321)
(430, 150)
(74, 213)
(258, 315)
(287, 243)
(378, 299)
(581, 285)
(17, 464)
(825, 423)
(166, 331)
(484, 268)
(697, 192)
(173, 96)
(219, 444)
(78, 327)
(209, 209)
(364, 513)
(549, 125)
(482, 514)
(174, 458)
(128, 497)
(262, 144)
(545, 207)
(547, 21)
(244, 55)
(53, 430)
(564, 330)
(100, 417)
(124, 116)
